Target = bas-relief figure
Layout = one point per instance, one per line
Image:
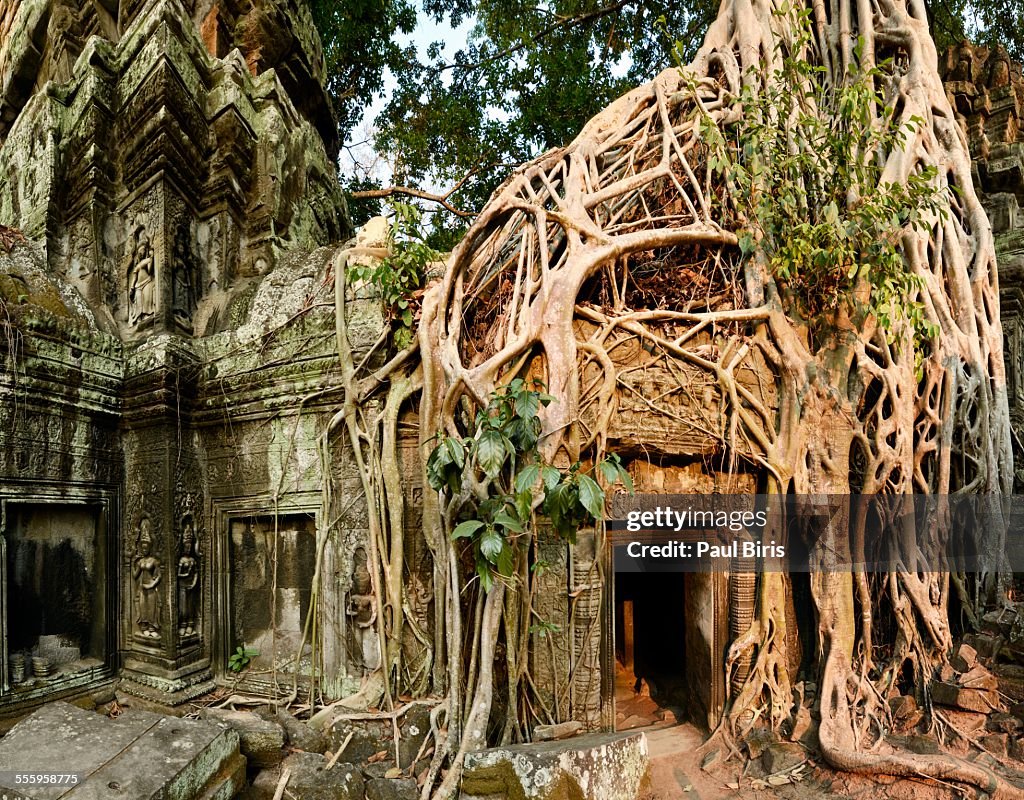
(183, 280)
(146, 572)
(188, 581)
(362, 612)
(141, 281)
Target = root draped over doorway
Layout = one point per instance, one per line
(626, 235)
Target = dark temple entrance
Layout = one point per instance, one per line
(55, 596)
(670, 635)
(651, 635)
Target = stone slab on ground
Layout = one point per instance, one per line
(138, 756)
(392, 789)
(609, 766)
(969, 699)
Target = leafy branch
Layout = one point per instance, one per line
(804, 167)
(400, 277)
(503, 455)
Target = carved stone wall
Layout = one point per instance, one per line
(59, 451)
(162, 177)
(167, 340)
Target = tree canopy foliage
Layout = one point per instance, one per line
(463, 114)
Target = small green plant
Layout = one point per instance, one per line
(503, 451)
(240, 659)
(400, 276)
(805, 167)
(545, 628)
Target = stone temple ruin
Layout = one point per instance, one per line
(986, 91)
(170, 369)
(172, 166)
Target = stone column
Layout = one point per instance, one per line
(163, 574)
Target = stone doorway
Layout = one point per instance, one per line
(660, 666)
(56, 598)
(272, 560)
(670, 630)
(650, 614)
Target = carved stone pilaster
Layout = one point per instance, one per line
(163, 579)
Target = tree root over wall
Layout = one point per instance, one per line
(554, 276)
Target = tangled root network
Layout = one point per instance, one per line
(626, 239)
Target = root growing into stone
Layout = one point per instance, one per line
(554, 279)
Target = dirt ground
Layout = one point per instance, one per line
(676, 774)
(679, 772)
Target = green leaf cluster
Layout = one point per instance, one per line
(399, 277)
(240, 659)
(503, 455)
(805, 171)
(359, 39)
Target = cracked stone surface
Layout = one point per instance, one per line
(138, 756)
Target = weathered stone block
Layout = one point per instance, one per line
(949, 694)
(964, 658)
(298, 734)
(1002, 212)
(310, 780)
(1010, 678)
(803, 726)
(262, 741)
(413, 728)
(368, 738)
(979, 678)
(1001, 722)
(391, 789)
(995, 743)
(561, 730)
(759, 739)
(782, 756)
(986, 644)
(966, 721)
(608, 766)
(902, 706)
(139, 755)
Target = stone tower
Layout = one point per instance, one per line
(167, 361)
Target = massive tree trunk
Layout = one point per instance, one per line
(860, 410)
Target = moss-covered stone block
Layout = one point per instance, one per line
(609, 766)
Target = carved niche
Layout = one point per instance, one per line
(361, 608)
(188, 574)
